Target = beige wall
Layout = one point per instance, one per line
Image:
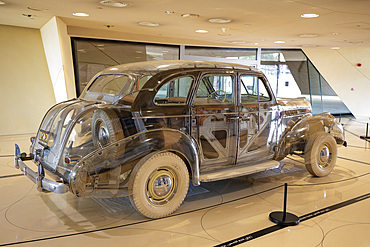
(350, 82)
(25, 87)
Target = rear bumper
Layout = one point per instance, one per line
(43, 184)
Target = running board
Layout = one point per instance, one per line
(238, 171)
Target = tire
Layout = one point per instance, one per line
(106, 128)
(156, 202)
(320, 154)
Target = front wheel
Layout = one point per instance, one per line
(320, 154)
(158, 184)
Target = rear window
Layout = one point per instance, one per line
(110, 84)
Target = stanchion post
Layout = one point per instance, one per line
(367, 133)
(284, 218)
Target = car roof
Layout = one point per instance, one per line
(165, 65)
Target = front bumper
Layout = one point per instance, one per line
(43, 184)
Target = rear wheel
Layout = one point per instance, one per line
(158, 184)
(320, 154)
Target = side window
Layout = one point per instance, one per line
(174, 91)
(252, 89)
(215, 89)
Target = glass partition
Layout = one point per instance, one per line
(92, 56)
(290, 73)
(228, 53)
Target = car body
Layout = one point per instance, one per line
(146, 129)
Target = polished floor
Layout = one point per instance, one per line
(335, 210)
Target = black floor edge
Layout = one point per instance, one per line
(305, 217)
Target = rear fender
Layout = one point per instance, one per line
(109, 168)
(295, 137)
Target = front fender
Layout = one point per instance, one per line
(109, 168)
(295, 137)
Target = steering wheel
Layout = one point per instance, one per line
(222, 91)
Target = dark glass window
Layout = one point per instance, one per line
(92, 56)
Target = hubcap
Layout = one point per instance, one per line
(103, 134)
(161, 186)
(325, 156)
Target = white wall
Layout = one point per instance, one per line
(25, 86)
(351, 83)
(57, 46)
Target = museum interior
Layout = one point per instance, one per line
(289, 185)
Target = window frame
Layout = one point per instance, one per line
(261, 79)
(169, 80)
(234, 78)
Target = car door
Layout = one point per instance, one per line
(214, 119)
(256, 124)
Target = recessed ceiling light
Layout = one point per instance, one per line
(238, 42)
(114, 4)
(169, 12)
(310, 15)
(308, 35)
(148, 24)
(256, 43)
(2, 3)
(219, 20)
(335, 48)
(37, 9)
(190, 15)
(279, 42)
(80, 14)
(335, 33)
(100, 45)
(201, 31)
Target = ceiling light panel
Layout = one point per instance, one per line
(80, 14)
(148, 24)
(114, 4)
(312, 15)
(190, 15)
(2, 2)
(219, 20)
(201, 31)
(308, 35)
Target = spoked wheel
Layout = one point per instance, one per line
(320, 154)
(158, 184)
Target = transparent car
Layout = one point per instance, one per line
(145, 130)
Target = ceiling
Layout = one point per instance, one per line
(254, 23)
